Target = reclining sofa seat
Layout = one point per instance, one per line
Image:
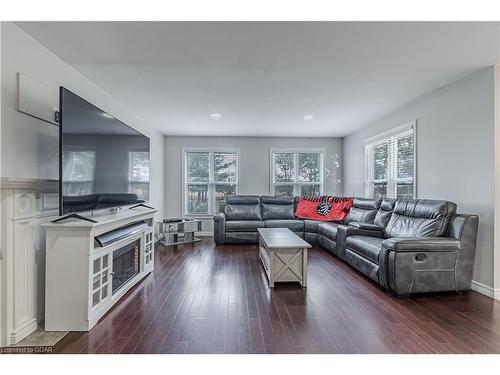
(243, 217)
(408, 246)
(424, 247)
(244, 214)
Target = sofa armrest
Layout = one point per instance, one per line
(220, 228)
(421, 244)
(221, 216)
(350, 230)
(415, 264)
(344, 231)
(367, 226)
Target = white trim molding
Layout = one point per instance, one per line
(394, 131)
(486, 290)
(496, 208)
(37, 185)
(26, 203)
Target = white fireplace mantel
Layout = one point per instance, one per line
(25, 205)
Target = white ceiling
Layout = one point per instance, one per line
(264, 77)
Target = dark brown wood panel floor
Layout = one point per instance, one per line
(204, 298)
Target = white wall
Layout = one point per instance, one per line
(30, 146)
(455, 154)
(254, 176)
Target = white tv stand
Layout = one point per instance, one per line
(80, 277)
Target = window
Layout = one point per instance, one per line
(138, 174)
(78, 172)
(390, 164)
(296, 172)
(209, 177)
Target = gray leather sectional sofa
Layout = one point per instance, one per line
(407, 246)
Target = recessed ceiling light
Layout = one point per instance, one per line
(107, 115)
(308, 117)
(215, 116)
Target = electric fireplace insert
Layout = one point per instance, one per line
(125, 264)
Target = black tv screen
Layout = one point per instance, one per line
(104, 163)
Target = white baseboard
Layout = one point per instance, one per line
(485, 289)
(22, 332)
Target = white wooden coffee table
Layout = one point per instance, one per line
(283, 255)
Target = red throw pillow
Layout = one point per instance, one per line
(325, 208)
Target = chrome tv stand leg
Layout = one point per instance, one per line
(73, 216)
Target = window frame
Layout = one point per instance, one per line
(296, 183)
(392, 180)
(211, 178)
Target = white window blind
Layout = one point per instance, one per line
(390, 164)
(209, 177)
(296, 172)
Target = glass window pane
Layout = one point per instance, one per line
(283, 190)
(97, 265)
(405, 157)
(379, 189)
(309, 167)
(141, 189)
(104, 292)
(283, 167)
(405, 190)
(197, 166)
(78, 165)
(138, 162)
(78, 172)
(309, 190)
(381, 161)
(220, 193)
(197, 199)
(95, 298)
(224, 167)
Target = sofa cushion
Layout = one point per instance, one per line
(244, 225)
(293, 225)
(274, 208)
(363, 210)
(329, 230)
(311, 226)
(420, 218)
(365, 246)
(242, 207)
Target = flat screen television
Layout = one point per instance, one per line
(104, 163)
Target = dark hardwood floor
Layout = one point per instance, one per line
(204, 298)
